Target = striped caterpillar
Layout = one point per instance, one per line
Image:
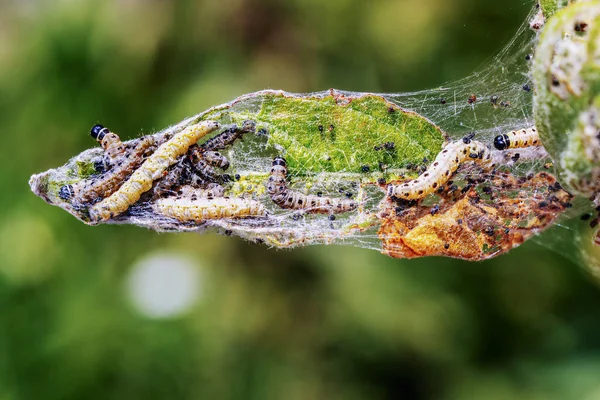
(201, 208)
(517, 139)
(228, 136)
(98, 188)
(141, 180)
(286, 198)
(445, 164)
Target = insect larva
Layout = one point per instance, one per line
(111, 143)
(228, 136)
(211, 191)
(286, 198)
(216, 159)
(517, 139)
(98, 188)
(444, 165)
(202, 209)
(172, 177)
(141, 180)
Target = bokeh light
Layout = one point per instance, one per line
(164, 285)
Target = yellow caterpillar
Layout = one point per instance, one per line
(445, 164)
(153, 168)
(286, 198)
(201, 209)
(517, 139)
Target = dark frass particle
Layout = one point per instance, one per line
(237, 177)
(446, 246)
(489, 230)
(331, 217)
(99, 166)
(528, 57)
(585, 217)
(580, 26)
(66, 192)
(381, 181)
(391, 109)
(593, 223)
(228, 232)
(467, 139)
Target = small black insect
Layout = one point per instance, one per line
(527, 88)
(365, 168)
(443, 100)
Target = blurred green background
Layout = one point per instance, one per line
(114, 312)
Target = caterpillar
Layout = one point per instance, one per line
(211, 191)
(110, 141)
(228, 136)
(286, 198)
(445, 164)
(202, 209)
(141, 180)
(100, 187)
(172, 177)
(216, 159)
(517, 139)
